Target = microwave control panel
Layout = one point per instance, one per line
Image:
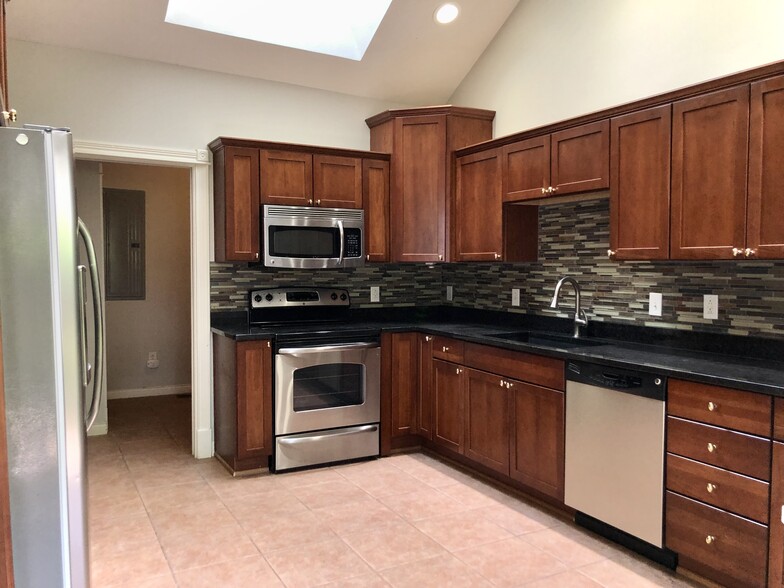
(353, 243)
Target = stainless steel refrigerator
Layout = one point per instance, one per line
(47, 372)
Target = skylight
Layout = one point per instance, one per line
(343, 28)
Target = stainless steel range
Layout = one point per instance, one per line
(327, 377)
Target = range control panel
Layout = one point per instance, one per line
(294, 297)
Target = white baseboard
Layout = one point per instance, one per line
(101, 429)
(142, 392)
(203, 441)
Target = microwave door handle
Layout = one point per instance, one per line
(342, 241)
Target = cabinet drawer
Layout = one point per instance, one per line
(537, 369)
(733, 492)
(715, 543)
(719, 447)
(743, 411)
(448, 349)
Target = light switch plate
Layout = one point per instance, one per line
(655, 304)
(710, 306)
(450, 293)
(515, 296)
(375, 294)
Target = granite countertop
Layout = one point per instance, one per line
(744, 363)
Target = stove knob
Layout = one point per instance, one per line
(268, 297)
(343, 297)
(257, 298)
(334, 296)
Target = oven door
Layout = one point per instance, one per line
(326, 387)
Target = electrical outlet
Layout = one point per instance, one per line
(450, 293)
(375, 294)
(152, 360)
(710, 306)
(655, 303)
(515, 296)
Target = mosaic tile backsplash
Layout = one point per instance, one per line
(573, 240)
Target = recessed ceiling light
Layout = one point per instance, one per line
(343, 28)
(446, 13)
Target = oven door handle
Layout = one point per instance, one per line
(316, 438)
(342, 242)
(326, 348)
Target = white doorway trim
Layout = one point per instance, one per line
(201, 240)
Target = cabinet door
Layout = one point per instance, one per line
(254, 400)
(448, 404)
(236, 204)
(337, 181)
(6, 553)
(478, 214)
(580, 158)
(525, 169)
(765, 224)
(709, 156)
(487, 420)
(537, 458)
(375, 195)
(640, 185)
(776, 540)
(418, 221)
(424, 396)
(286, 178)
(404, 360)
(4, 105)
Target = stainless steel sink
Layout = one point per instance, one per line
(546, 339)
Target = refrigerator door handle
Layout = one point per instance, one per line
(98, 324)
(86, 368)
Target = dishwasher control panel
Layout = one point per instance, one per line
(646, 384)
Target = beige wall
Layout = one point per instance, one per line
(127, 101)
(160, 322)
(556, 59)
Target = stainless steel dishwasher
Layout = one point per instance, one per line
(615, 454)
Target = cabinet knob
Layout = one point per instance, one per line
(269, 344)
(553, 190)
(367, 257)
(497, 255)
(256, 254)
(712, 406)
(428, 338)
(748, 252)
(458, 371)
(318, 202)
(9, 115)
(737, 252)
(611, 253)
(310, 201)
(445, 349)
(501, 383)
(440, 258)
(544, 190)
(710, 539)
(509, 385)
(711, 487)
(712, 447)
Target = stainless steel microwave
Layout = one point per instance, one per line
(313, 238)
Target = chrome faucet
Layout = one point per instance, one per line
(579, 314)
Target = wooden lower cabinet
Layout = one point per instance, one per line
(447, 390)
(487, 419)
(6, 554)
(424, 394)
(776, 539)
(242, 374)
(402, 350)
(537, 442)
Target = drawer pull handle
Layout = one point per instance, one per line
(712, 447)
(501, 383)
(710, 539)
(712, 406)
(711, 487)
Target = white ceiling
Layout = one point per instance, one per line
(411, 60)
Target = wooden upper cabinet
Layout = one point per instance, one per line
(375, 195)
(640, 185)
(286, 178)
(236, 212)
(765, 223)
(525, 169)
(580, 158)
(709, 158)
(419, 203)
(337, 181)
(487, 420)
(478, 212)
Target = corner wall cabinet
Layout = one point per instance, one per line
(422, 141)
(248, 174)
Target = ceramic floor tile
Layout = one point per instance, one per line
(210, 546)
(308, 478)
(392, 545)
(253, 508)
(471, 497)
(363, 515)
(614, 574)
(444, 570)
(290, 530)
(165, 581)
(386, 483)
(191, 519)
(229, 488)
(570, 579)
(109, 506)
(153, 476)
(329, 493)
(572, 546)
(249, 572)
(462, 530)
(167, 497)
(316, 564)
(139, 564)
(423, 504)
(511, 562)
(363, 581)
(111, 536)
(517, 522)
